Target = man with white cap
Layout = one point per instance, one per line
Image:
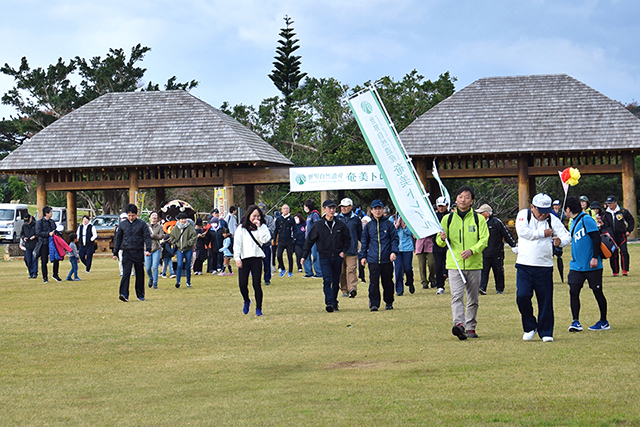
(493, 254)
(349, 274)
(538, 232)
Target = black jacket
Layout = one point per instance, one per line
(437, 248)
(43, 228)
(497, 232)
(619, 223)
(28, 230)
(331, 237)
(132, 236)
(284, 229)
(215, 238)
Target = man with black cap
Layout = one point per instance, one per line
(493, 254)
(538, 232)
(333, 241)
(379, 249)
(619, 223)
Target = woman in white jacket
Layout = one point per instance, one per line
(250, 235)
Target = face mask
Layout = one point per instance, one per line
(297, 220)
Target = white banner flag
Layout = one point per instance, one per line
(402, 183)
(443, 189)
(322, 178)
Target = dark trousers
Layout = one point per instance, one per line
(44, 258)
(213, 261)
(288, 246)
(621, 253)
(132, 258)
(331, 269)
(266, 263)
(404, 265)
(31, 262)
(251, 265)
(497, 265)
(86, 256)
(539, 280)
(298, 251)
(576, 280)
(377, 273)
(440, 259)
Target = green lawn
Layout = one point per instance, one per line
(72, 354)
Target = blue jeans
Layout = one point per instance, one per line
(151, 264)
(266, 262)
(312, 263)
(184, 258)
(167, 262)
(539, 280)
(74, 268)
(331, 269)
(404, 265)
(31, 262)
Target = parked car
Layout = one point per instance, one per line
(11, 219)
(105, 222)
(59, 215)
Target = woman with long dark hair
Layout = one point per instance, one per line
(250, 235)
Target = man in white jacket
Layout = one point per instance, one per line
(537, 232)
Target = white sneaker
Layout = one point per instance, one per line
(440, 291)
(528, 336)
(547, 339)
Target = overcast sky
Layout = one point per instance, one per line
(228, 46)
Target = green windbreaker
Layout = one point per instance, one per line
(465, 235)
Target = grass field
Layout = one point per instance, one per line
(72, 354)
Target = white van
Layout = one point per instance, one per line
(59, 215)
(11, 219)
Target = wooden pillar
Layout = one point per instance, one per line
(160, 196)
(629, 189)
(227, 183)
(72, 209)
(41, 192)
(324, 195)
(532, 187)
(249, 195)
(523, 182)
(133, 185)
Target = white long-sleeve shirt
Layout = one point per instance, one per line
(245, 247)
(534, 249)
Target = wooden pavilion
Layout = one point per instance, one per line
(524, 127)
(146, 140)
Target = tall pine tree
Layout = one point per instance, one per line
(286, 75)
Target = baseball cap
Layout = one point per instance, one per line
(584, 199)
(377, 203)
(542, 202)
(214, 219)
(441, 201)
(346, 202)
(556, 202)
(123, 215)
(328, 203)
(262, 206)
(595, 205)
(484, 208)
(611, 199)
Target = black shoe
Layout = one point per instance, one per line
(123, 298)
(458, 330)
(335, 308)
(373, 308)
(329, 308)
(267, 283)
(471, 334)
(150, 283)
(499, 292)
(57, 279)
(45, 281)
(177, 285)
(388, 307)
(482, 291)
(412, 289)
(425, 286)
(353, 293)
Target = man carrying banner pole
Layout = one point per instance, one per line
(468, 237)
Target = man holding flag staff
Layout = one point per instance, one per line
(468, 236)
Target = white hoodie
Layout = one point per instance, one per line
(244, 245)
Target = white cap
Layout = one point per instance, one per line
(346, 202)
(441, 201)
(542, 202)
(60, 228)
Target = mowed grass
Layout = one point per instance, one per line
(72, 354)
